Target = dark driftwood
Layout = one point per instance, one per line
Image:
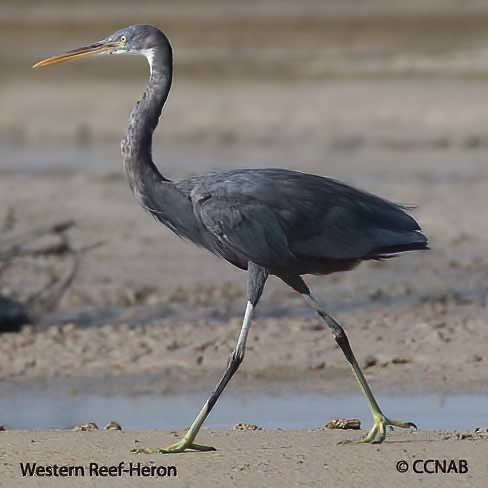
(21, 250)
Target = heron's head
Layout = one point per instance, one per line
(135, 39)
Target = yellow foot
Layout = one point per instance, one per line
(377, 433)
(179, 446)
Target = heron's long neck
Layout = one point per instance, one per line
(137, 144)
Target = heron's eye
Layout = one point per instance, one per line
(123, 39)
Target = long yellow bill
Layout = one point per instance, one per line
(82, 52)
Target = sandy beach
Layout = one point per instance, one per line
(259, 458)
(369, 96)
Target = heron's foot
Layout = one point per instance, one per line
(179, 446)
(377, 433)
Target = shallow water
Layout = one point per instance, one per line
(26, 409)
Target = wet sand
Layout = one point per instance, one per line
(161, 305)
(251, 458)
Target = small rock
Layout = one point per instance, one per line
(343, 424)
(243, 426)
(370, 361)
(86, 427)
(400, 361)
(318, 367)
(13, 315)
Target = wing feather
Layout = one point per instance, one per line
(273, 216)
(244, 231)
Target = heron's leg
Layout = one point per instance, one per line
(256, 280)
(380, 421)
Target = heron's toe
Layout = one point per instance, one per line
(377, 434)
(179, 446)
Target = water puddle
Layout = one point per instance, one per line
(24, 409)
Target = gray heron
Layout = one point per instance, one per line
(265, 221)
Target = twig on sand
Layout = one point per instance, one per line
(47, 250)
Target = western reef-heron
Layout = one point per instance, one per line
(266, 221)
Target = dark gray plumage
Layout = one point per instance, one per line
(266, 221)
(285, 221)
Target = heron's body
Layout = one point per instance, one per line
(291, 223)
(266, 221)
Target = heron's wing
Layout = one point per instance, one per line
(243, 229)
(351, 233)
(328, 219)
(272, 216)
